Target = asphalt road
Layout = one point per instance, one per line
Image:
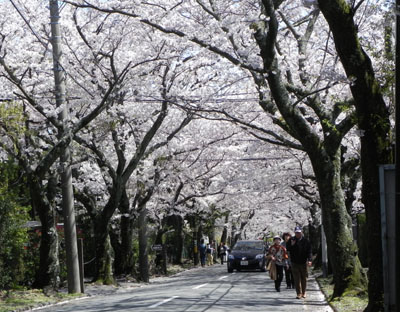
(204, 289)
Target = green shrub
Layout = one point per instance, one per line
(13, 236)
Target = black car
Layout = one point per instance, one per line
(247, 255)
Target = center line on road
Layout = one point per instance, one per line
(162, 302)
(222, 277)
(199, 286)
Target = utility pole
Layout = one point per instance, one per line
(71, 247)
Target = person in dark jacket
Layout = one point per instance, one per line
(202, 249)
(288, 269)
(299, 248)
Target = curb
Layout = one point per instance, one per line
(325, 294)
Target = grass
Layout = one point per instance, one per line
(22, 300)
(346, 303)
(174, 269)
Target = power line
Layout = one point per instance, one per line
(236, 159)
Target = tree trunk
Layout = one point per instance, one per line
(176, 222)
(314, 227)
(116, 246)
(143, 254)
(324, 155)
(161, 258)
(373, 119)
(123, 246)
(338, 225)
(49, 266)
(104, 272)
(127, 259)
(224, 235)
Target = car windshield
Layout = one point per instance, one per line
(243, 245)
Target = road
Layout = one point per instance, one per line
(209, 289)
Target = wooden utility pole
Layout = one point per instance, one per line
(65, 159)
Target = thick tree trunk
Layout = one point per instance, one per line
(104, 272)
(338, 225)
(373, 119)
(116, 246)
(127, 259)
(49, 266)
(143, 254)
(176, 222)
(324, 155)
(161, 257)
(123, 245)
(371, 157)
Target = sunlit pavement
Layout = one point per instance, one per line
(205, 289)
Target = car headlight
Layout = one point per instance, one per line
(231, 257)
(258, 257)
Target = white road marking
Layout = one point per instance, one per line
(199, 286)
(162, 302)
(222, 277)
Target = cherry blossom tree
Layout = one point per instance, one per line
(25, 73)
(259, 39)
(344, 20)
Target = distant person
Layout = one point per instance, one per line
(209, 252)
(202, 249)
(214, 251)
(300, 257)
(288, 269)
(222, 252)
(278, 255)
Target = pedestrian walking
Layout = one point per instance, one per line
(288, 269)
(300, 257)
(202, 249)
(214, 251)
(222, 252)
(209, 252)
(278, 256)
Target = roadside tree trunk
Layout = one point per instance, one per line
(143, 253)
(338, 225)
(43, 203)
(104, 272)
(161, 257)
(324, 153)
(224, 235)
(176, 222)
(123, 243)
(373, 120)
(104, 269)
